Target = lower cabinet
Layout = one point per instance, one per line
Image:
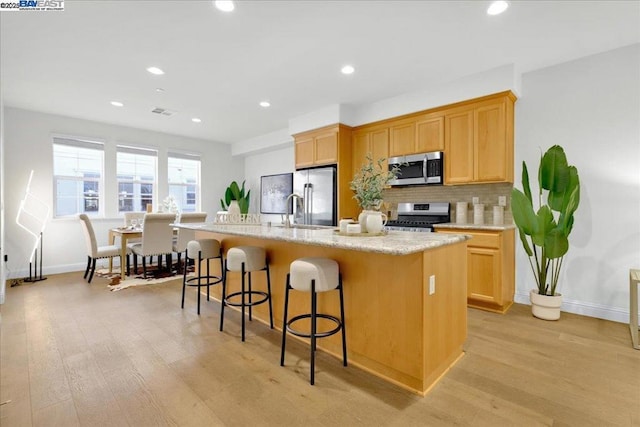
(490, 268)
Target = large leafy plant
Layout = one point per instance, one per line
(369, 182)
(235, 192)
(545, 233)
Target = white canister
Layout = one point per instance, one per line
(353, 229)
(478, 214)
(344, 223)
(498, 215)
(461, 213)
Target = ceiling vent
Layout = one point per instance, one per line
(163, 111)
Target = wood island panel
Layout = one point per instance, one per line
(394, 328)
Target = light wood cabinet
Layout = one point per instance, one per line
(326, 146)
(430, 133)
(403, 138)
(421, 134)
(479, 141)
(491, 268)
(318, 147)
(374, 141)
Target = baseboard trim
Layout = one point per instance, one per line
(59, 269)
(599, 311)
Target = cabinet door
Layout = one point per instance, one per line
(490, 146)
(304, 152)
(359, 150)
(374, 142)
(326, 148)
(484, 273)
(458, 161)
(430, 135)
(402, 139)
(379, 146)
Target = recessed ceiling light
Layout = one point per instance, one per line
(155, 70)
(196, 120)
(265, 104)
(159, 89)
(497, 7)
(117, 104)
(347, 69)
(224, 5)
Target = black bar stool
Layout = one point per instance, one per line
(198, 251)
(313, 275)
(246, 260)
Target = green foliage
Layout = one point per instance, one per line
(235, 192)
(545, 234)
(369, 183)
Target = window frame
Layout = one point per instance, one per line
(137, 183)
(79, 143)
(197, 206)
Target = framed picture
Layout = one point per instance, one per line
(274, 190)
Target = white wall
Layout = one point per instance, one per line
(27, 145)
(270, 163)
(591, 107)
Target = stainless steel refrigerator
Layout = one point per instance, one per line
(317, 187)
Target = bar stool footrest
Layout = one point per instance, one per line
(298, 333)
(264, 295)
(205, 281)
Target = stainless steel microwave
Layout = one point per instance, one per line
(416, 169)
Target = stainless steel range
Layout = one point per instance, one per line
(420, 216)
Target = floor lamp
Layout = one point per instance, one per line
(32, 216)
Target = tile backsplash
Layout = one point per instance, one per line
(487, 194)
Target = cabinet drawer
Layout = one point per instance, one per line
(484, 240)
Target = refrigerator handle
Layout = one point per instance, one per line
(310, 205)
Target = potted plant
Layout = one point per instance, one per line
(545, 233)
(235, 200)
(367, 185)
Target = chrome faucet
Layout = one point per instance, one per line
(287, 222)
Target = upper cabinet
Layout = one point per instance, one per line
(326, 146)
(479, 141)
(317, 147)
(418, 134)
(374, 141)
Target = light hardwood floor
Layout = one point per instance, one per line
(77, 354)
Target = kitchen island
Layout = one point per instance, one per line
(398, 326)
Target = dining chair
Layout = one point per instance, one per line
(96, 252)
(157, 239)
(185, 235)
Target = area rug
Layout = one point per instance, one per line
(117, 285)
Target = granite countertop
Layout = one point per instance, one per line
(468, 226)
(392, 243)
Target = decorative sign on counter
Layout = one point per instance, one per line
(224, 217)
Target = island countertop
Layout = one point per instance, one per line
(392, 243)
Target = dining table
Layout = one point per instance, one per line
(125, 234)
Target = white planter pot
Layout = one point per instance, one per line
(234, 211)
(544, 306)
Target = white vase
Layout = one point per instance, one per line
(234, 212)
(375, 221)
(546, 307)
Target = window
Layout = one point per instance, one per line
(77, 176)
(136, 170)
(184, 181)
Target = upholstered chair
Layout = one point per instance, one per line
(157, 239)
(95, 252)
(184, 235)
